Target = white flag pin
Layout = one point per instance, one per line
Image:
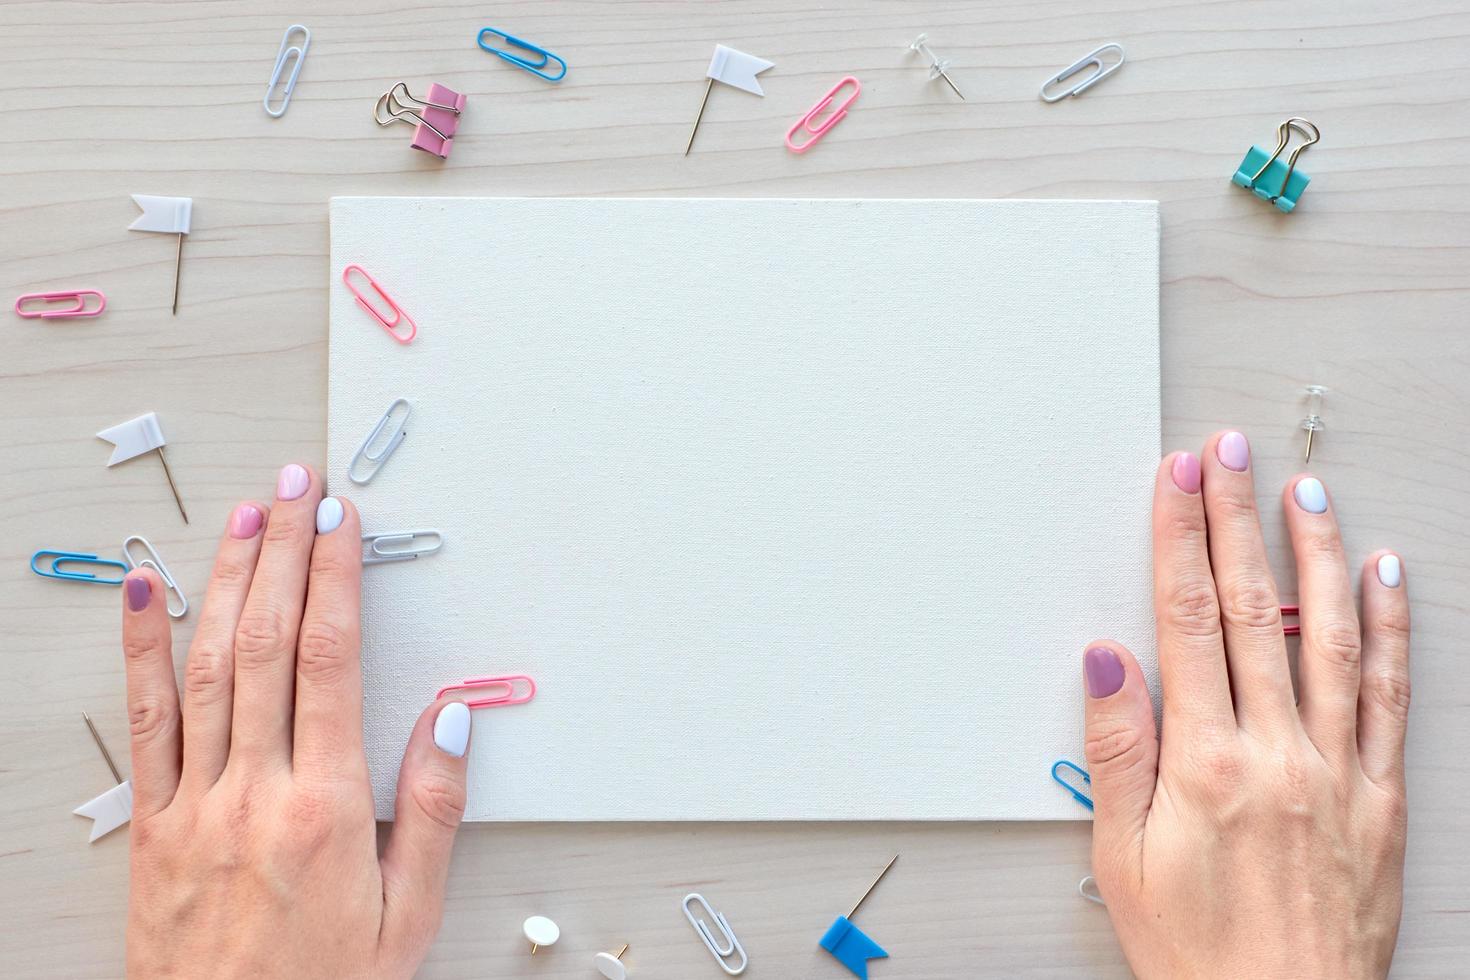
(134, 438)
(733, 68)
(115, 807)
(170, 216)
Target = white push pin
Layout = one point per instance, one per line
(1313, 422)
(612, 966)
(540, 931)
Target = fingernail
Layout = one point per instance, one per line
(328, 515)
(1310, 495)
(1186, 472)
(1233, 452)
(245, 522)
(1104, 672)
(1390, 571)
(452, 728)
(139, 592)
(293, 482)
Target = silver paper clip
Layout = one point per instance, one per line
(1092, 59)
(400, 546)
(727, 946)
(294, 53)
(156, 563)
(381, 456)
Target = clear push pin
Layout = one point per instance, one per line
(938, 67)
(1313, 422)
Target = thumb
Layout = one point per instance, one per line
(431, 801)
(1122, 755)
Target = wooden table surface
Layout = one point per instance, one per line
(1364, 289)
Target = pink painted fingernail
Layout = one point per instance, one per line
(245, 522)
(1186, 472)
(293, 482)
(139, 592)
(1104, 672)
(1233, 452)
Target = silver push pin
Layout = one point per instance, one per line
(937, 65)
(1313, 422)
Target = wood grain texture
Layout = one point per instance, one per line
(1364, 289)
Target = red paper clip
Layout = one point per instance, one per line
(78, 297)
(398, 314)
(506, 684)
(820, 130)
(1291, 611)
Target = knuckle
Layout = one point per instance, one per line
(311, 816)
(1184, 523)
(1389, 692)
(1339, 642)
(1222, 766)
(139, 648)
(1193, 608)
(231, 576)
(286, 531)
(1319, 542)
(207, 672)
(440, 799)
(1251, 604)
(259, 638)
(1392, 625)
(150, 718)
(325, 650)
(331, 563)
(1115, 746)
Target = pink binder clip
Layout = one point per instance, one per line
(499, 691)
(434, 126)
(820, 128)
(398, 315)
(77, 297)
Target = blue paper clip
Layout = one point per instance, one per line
(58, 558)
(1077, 794)
(1261, 173)
(534, 67)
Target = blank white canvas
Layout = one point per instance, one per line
(794, 510)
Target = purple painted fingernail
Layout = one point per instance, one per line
(1104, 672)
(293, 482)
(139, 592)
(1233, 452)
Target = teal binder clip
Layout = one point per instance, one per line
(1265, 176)
(848, 944)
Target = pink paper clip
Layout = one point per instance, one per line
(78, 297)
(504, 688)
(1291, 629)
(434, 127)
(398, 314)
(820, 130)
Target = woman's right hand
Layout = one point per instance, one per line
(1261, 834)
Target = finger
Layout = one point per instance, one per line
(153, 696)
(430, 804)
(1383, 701)
(328, 736)
(1250, 609)
(265, 640)
(1122, 755)
(1329, 664)
(209, 672)
(1196, 687)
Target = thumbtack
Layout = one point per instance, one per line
(540, 931)
(1313, 422)
(610, 965)
(937, 66)
(848, 944)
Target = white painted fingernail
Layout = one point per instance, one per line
(1310, 495)
(452, 728)
(328, 515)
(1390, 572)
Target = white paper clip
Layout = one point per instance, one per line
(1092, 59)
(386, 547)
(156, 563)
(294, 53)
(1088, 889)
(721, 951)
(381, 456)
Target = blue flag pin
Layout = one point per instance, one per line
(850, 945)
